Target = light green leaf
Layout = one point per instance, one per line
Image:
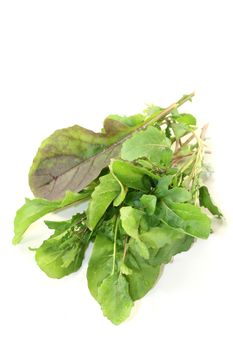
(186, 216)
(121, 196)
(59, 226)
(158, 237)
(63, 252)
(145, 163)
(186, 118)
(165, 254)
(125, 270)
(116, 123)
(130, 220)
(100, 263)
(132, 176)
(163, 184)
(178, 194)
(143, 277)
(152, 110)
(148, 202)
(103, 195)
(139, 247)
(33, 209)
(206, 201)
(114, 298)
(180, 129)
(151, 144)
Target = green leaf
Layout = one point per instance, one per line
(143, 277)
(130, 220)
(152, 110)
(139, 247)
(145, 163)
(33, 209)
(165, 242)
(186, 216)
(114, 298)
(71, 158)
(116, 123)
(148, 202)
(185, 150)
(163, 184)
(121, 196)
(158, 237)
(63, 252)
(206, 201)
(58, 226)
(165, 254)
(151, 144)
(125, 270)
(178, 194)
(180, 129)
(100, 263)
(132, 176)
(103, 195)
(186, 118)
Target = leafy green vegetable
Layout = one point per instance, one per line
(63, 252)
(136, 245)
(130, 220)
(187, 217)
(144, 208)
(157, 237)
(206, 201)
(148, 202)
(180, 129)
(103, 195)
(115, 299)
(143, 277)
(151, 144)
(33, 209)
(185, 118)
(71, 158)
(163, 185)
(100, 263)
(178, 194)
(133, 176)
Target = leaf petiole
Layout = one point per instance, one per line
(114, 244)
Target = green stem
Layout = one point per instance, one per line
(155, 118)
(125, 247)
(196, 170)
(185, 98)
(114, 244)
(166, 111)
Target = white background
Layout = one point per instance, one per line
(67, 62)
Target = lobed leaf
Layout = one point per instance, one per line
(63, 252)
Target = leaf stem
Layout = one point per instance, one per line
(185, 98)
(125, 248)
(114, 244)
(155, 118)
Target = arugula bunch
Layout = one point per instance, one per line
(143, 177)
